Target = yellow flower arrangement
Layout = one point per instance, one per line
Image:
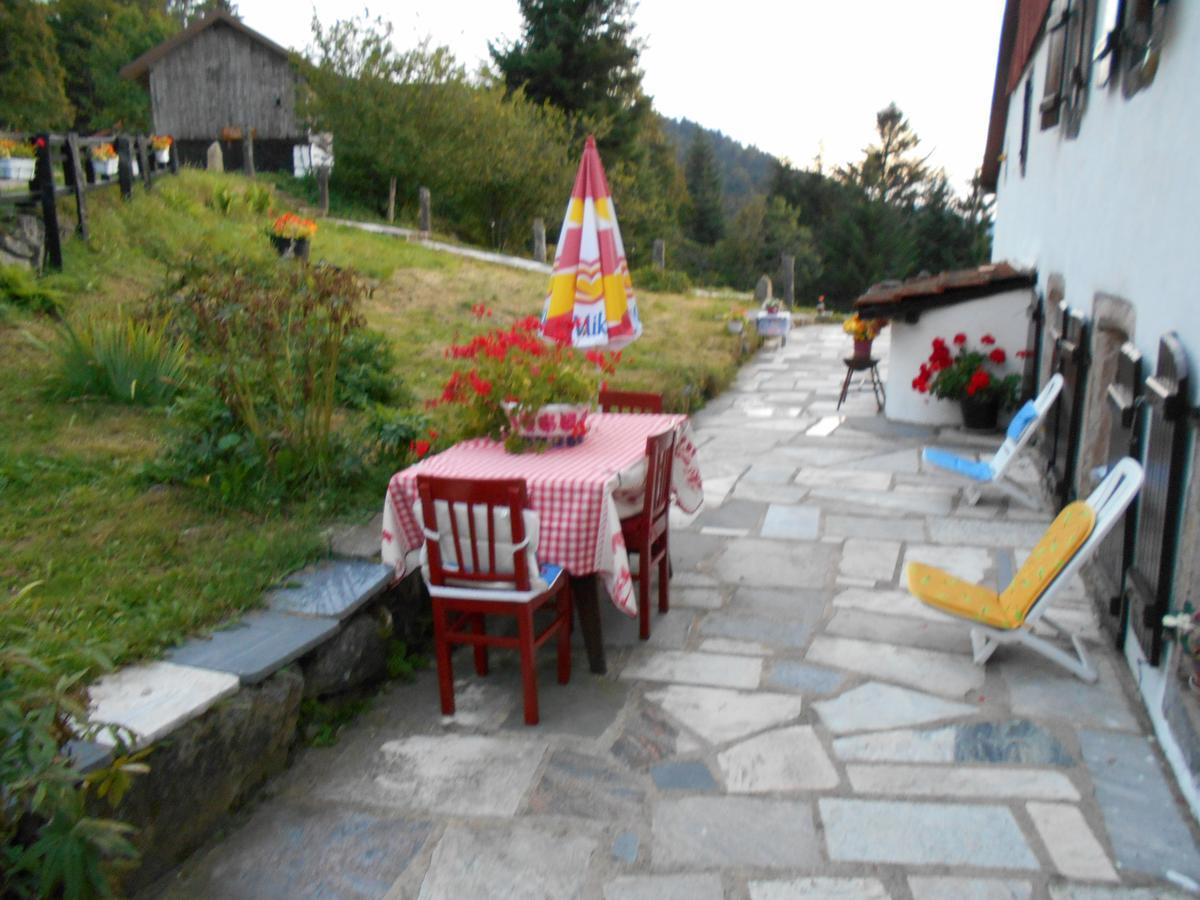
(16, 150)
(863, 329)
(161, 141)
(103, 152)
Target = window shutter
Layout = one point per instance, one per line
(1026, 115)
(1056, 62)
(1076, 79)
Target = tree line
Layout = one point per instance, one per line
(498, 146)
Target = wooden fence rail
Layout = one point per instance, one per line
(74, 154)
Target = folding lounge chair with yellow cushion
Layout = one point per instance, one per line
(1007, 617)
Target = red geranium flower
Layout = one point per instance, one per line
(998, 356)
(418, 448)
(987, 339)
(960, 338)
(978, 382)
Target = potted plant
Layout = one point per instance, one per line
(17, 160)
(1186, 627)
(291, 235)
(864, 331)
(735, 320)
(515, 387)
(161, 145)
(104, 160)
(972, 377)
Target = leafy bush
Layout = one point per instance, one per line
(123, 360)
(391, 434)
(21, 288)
(367, 372)
(49, 845)
(667, 281)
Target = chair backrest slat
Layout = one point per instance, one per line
(660, 451)
(630, 401)
(486, 499)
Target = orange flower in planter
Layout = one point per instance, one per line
(291, 226)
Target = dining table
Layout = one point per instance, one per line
(580, 494)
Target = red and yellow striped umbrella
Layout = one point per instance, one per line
(591, 302)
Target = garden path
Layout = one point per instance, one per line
(797, 726)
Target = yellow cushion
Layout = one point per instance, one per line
(944, 591)
(1065, 535)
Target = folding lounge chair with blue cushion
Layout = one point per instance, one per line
(1007, 617)
(982, 474)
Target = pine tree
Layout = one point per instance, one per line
(32, 94)
(581, 57)
(890, 172)
(705, 219)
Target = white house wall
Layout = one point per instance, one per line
(1003, 315)
(1116, 209)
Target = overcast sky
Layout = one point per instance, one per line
(792, 77)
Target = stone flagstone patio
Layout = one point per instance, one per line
(797, 727)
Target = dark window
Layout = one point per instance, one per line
(1026, 115)
(1056, 62)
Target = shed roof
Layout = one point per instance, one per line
(898, 299)
(140, 67)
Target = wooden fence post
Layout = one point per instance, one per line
(787, 267)
(43, 175)
(125, 167)
(539, 240)
(391, 209)
(660, 253)
(174, 158)
(144, 160)
(248, 152)
(323, 186)
(76, 180)
(426, 220)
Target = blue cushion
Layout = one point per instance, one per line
(1025, 415)
(944, 459)
(549, 572)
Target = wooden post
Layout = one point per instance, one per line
(660, 253)
(787, 266)
(248, 151)
(144, 160)
(323, 186)
(539, 240)
(426, 219)
(125, 167)
(76, 180)
(174, 157)
(43, 175)
(391, 210)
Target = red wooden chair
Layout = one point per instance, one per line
(630, 401)
(478, 561)
(646, 534)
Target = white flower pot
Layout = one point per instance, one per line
(735, 326)
(163, 157)
(555, 424)
(17, 168)
(105, 168)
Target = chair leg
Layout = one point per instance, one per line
(441, 649)
(664, 581)
(481, 650)
(528, 672)
(564, 635)
(643, 580)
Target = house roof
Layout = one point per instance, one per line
(893, 299)
(140, 67)
(1019, 33)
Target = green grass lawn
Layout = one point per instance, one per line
(94, 555)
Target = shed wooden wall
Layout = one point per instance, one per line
(221, 78)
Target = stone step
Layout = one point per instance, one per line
(334, 589)
(257, 646)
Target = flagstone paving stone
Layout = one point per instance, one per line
(875, 706)
(927, 888)
(720, 716)
(939, 673)
(714, 832)
(790, 759)
(697, 768)
(924, 834)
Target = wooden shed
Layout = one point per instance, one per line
(213, 80)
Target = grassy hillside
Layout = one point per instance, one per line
(96, 554)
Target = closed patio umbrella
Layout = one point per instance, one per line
(590, 302)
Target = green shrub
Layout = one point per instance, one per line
(120, 359)
(667, 281)
(390, 433)
(367, 372)
(21, 288)
(49, 844)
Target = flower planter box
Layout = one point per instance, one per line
(105, 168)
(553, 425)
(17, 168)
(163, 157)
(290, 248)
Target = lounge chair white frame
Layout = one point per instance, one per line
(1008, 451)
(1109, 500)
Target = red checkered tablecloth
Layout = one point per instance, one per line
(571, 489)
